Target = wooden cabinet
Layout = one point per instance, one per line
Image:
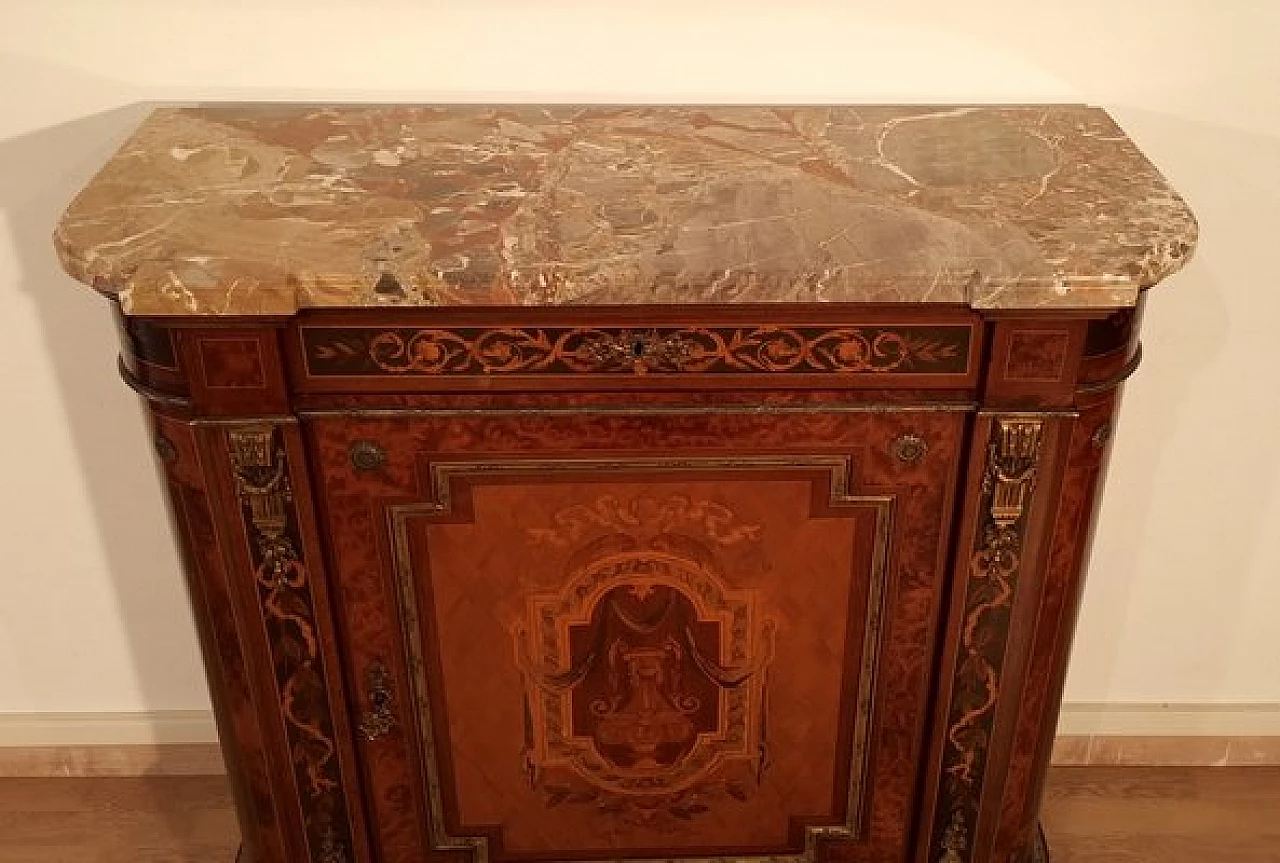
(790, 578)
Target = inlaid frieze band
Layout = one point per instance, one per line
(995, 565)
(263, 485)
(940, 349)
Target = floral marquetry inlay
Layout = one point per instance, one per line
(339, 351)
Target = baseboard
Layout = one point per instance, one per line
(141, 759)
(159, 742)
(1168, 735)
(184, 742)
(144, 728)
(1169, 720)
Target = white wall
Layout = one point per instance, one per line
(1185, 586)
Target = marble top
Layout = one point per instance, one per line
(264, 208)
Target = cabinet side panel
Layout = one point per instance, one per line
(1051, 647)
(224, 662)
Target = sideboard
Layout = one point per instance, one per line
(606, 483)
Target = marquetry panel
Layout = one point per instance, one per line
(1034, 363)
(1037, 355)
(665, 604)
(234, 370)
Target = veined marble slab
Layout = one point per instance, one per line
(260, 208)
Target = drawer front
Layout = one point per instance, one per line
(447, 350)
(601, 637)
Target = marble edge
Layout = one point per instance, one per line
(1102, 293)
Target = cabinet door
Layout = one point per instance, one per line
(596, 636)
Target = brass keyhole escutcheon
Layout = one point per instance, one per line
(909, 448)
(380, 718)
(366, 455)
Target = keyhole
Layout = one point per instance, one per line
(637, 349)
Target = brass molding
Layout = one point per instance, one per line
(1115, 380)
(639, 410)
(441, 503)
(147, 391)
(233, 422)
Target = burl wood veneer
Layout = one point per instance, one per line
(614, 483)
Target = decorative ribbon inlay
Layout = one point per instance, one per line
(1013, 458)
(284, 593)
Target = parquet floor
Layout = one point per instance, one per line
(1093, 814)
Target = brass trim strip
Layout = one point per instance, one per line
(639, 410)
(1069, 413)
(148, 392)
(840, 496)
(1115, 380)
(214, 422)
(619, 410)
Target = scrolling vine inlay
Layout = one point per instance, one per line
(939, 349)
(284, 592)
(1013, 459)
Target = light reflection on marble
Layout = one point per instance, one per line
(259, 208)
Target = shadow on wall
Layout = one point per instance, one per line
(39, 174)
(1182, 536)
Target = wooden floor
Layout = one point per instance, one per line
(1094, 814)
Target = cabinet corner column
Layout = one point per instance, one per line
(241, 497)
(1036, 461)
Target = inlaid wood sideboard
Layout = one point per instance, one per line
(631, 483)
